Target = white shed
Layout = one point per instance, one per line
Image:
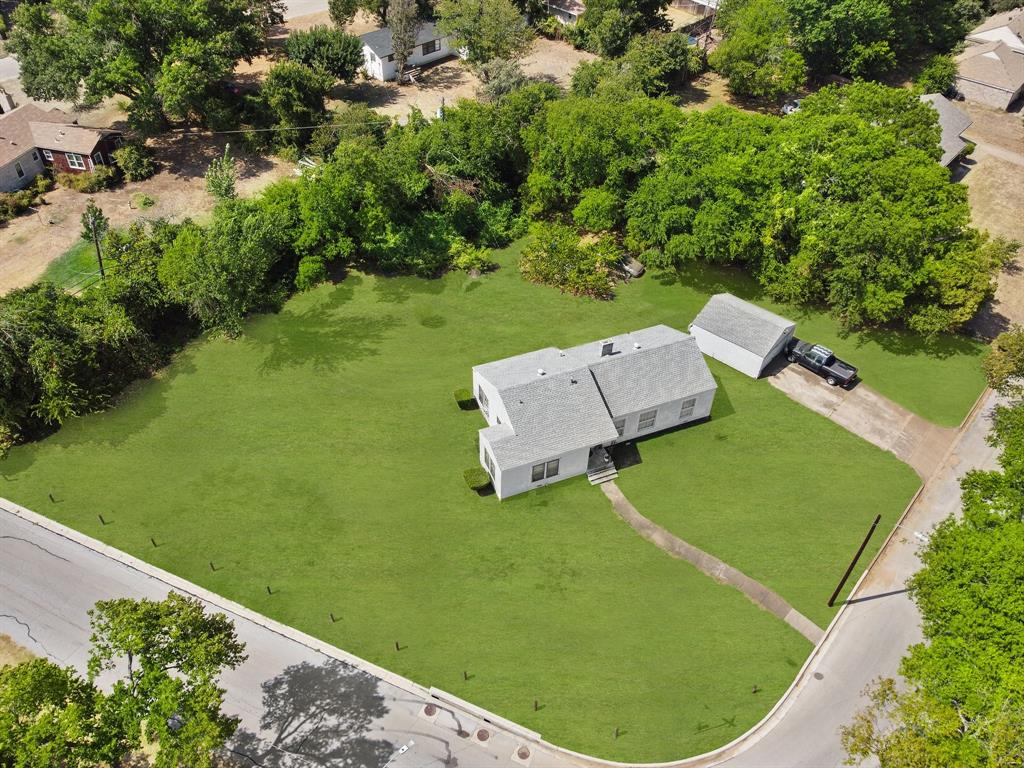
(379, 55)
(740, 334)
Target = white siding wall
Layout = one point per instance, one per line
(737, 357)
(386, 70)
(9, 180)
(519, 479)
(496, 413)
(668, 416)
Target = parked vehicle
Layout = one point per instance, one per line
(821, 361)
(791, 106)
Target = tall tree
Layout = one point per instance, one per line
(167, 57)
(757, 54)
(487, 29)
(405, 26)
(94, 227)
(327, 50)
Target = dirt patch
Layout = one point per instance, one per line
(30, 242)
(994, 126)
(554, 60)
(11, 653)
(706, 91)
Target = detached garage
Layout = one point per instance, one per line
(740, 334)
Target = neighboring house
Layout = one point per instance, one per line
(33, 139)
(953, 123)
(1005, 28)
(379, 55)
(701, 8)
(740, 334)
(566, 11)
(990, 74)
(551, 413)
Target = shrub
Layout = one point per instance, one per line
(15, 203)
(938, 75)
(470, 258)
(551, 28)
(465, 399)
(501, 77)
(500, 224)
(597, 211)
(557, 256)
(143, 201)
(312, 271)
(221, 176)
(88, 182)
(328, 50)
(135, 162)
(477, 479)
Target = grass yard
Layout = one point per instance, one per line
(322, 453)
(75, 267)
(788, 520)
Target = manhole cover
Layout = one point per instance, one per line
(523, 753)
(483, 735)
(430, 710)
(818, 676)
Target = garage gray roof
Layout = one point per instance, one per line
(952, 122)
(379, 40)
(744, 324)
(572, 404)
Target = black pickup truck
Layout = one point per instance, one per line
(821, 361)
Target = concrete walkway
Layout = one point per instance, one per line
(871, 416)
(722, 572)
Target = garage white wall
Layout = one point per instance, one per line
(725, 351)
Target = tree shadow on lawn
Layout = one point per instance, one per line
(710, 279)
(398, 289)
(316, 714)
(318, 336)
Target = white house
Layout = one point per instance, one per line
(740, 334)
(566, 11)
(1006, 27)
(552, 412)
(379, 55)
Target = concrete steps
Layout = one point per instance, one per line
(602, 474)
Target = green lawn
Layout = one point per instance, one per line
(322, 453)
(75, 267)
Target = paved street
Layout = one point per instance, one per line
(298, 707)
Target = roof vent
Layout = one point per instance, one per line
(541, 372)
(636, 345)
(606, 348)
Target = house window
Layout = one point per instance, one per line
(430, 47)
(35, 155)
(546, 469)
(647, 420)
(687, 410)
(97, 159)
(47, 154)
(620, 426)
(118, 142)
(481, 398)
(75, 161)
(489, 462)
(391, 57)
(19, 170)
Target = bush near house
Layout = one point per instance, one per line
(16, 203)
(135, 161)
(104, 177)
(476, 478)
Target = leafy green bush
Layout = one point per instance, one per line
(15, 203)
(328, 50)
(477, 479)
(557, 256)
(937, 76)
(469, 258)
(135, 161)
(103, 177)
(597, 211)
(465, 399)
(551, 28)
(311, 272)
(501, 77)
(143, 201)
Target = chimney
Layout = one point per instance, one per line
(606, 348)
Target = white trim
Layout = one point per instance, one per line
(81, 161)
(48, 155)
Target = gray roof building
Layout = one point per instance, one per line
(379, 40)
(744, 324)
(563, 400)
(953, 123)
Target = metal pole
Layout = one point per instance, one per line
(849, 568)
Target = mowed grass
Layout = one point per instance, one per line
(778, 492)
(74, 268)
(321, 455)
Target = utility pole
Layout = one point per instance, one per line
(849, 569)
(94, 226)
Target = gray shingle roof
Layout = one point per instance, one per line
(953, 122)
(744, 324)
(379, 40)
(572, 405)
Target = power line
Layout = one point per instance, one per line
(186, 132)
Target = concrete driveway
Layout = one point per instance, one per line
(873, 417)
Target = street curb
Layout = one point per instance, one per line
(706, 760)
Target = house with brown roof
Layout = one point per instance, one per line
(990, 73)
(33, 139)
(1007, 27)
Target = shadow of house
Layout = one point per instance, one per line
(316, 715)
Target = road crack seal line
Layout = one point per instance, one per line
(28, 631)
(37, 546)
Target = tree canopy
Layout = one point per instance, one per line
(757, 54)
(169, 58)
(487, 29)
